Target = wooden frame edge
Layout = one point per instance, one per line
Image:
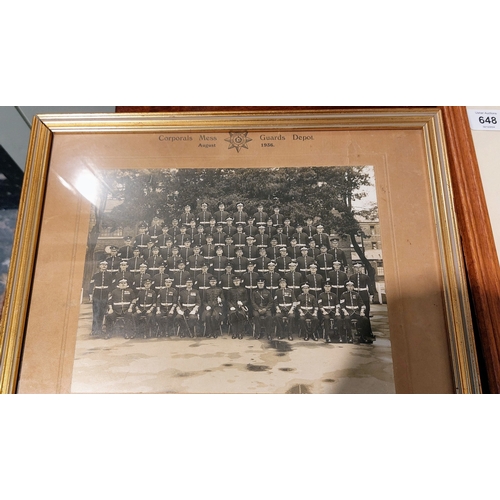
(478, 244)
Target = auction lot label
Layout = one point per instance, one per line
(484, 119)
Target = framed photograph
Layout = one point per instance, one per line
(238, 252)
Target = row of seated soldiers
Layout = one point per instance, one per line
(178, 302)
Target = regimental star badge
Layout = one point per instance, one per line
(238, 140)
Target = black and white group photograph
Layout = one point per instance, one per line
(245, 280)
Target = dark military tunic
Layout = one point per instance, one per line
(100, 288)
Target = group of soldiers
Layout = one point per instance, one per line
(251, 275)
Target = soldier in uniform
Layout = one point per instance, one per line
(285, 303)
(192, 230)
(250, 229)
(337, 279)
(249, 279)
(321, 238)
(121, 305)
(181, 276)
(250, 251)
(239, 263)
(200, 237)
(260, 216)
(160, 279)
(219, 235)
(172, 263)
(283, 261)
(229, 250)
(226, 283)
(135, 262)
(123, 274)
(272, 278)
(240, 217)
(308, 313)
(315, 280)
(363, 286)
(99, 290)
(140, 278)
(141, 240)
(262, 262)
(229, 228)
(239, 237)
(208, 250)
(203, 218)
(166, 305)
(262, 307)
(237, 303)
(165, 243)
(324, 261)
(309, 229)
(301, 237)
(155, 230)
(221, 215)
(261, 238)
(219, 264)
(186, 251)
(195, 262)
(281, 238)
(154, 261)
(270, 229)
(113, 260)
(337, 253)
(187, 310)
(288, 229)
(202, 281)
(277, 218)
(186, 218)
(304, 261)
(145, 307)
(175, 230)
(273, 252)
(329, 307)
(211, 316)
(182, 237)
(212, 227)
(294, 279)
(294, 250)
(313, 251)
(353, 308)
(126, 252)
(148, 251)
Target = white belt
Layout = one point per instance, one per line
(286, 305)
(203, 287)
(167, 304)
(361, 289)
(188, 305)
(100, 287)
(306, 307)
(121, 303)
(219, 270)
(195, 268)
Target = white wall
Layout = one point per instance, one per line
(487, 144)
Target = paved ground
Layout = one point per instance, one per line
(224, 365)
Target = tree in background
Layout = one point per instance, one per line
(327, 194)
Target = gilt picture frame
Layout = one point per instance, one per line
(431, 331)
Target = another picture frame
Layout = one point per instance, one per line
(38, 355)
